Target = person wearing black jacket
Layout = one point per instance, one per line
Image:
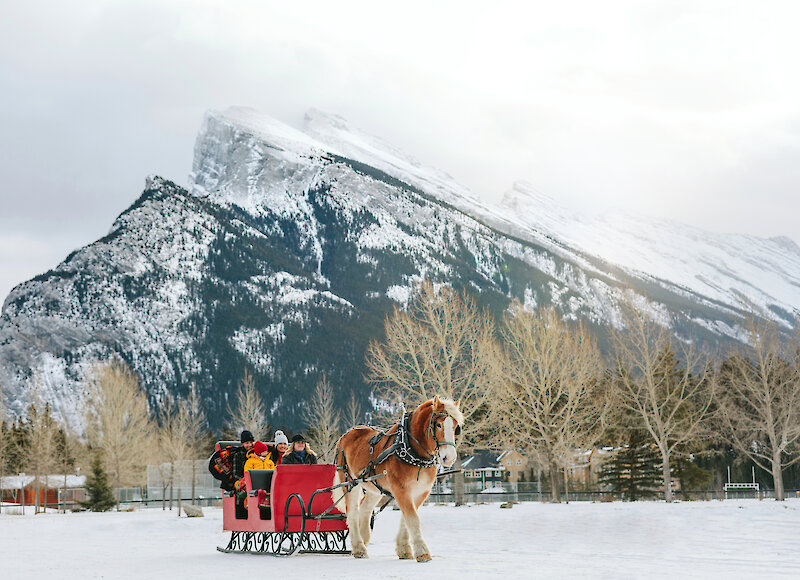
(299, 453)
(239, 457)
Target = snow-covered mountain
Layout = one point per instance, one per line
(729, 269)
(290, 247)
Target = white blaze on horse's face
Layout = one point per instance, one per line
(447, 450)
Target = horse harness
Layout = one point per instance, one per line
(401, 447)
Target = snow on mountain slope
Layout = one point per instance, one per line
(291, 247)
(732, 269)
(727, 269)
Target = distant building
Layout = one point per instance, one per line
(515, 465)
(490, 467)
(587, 463)
(512, 465)
(54, 490)
(482, 467)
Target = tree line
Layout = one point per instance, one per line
(121, 434)
(529, 380)
(537, 382)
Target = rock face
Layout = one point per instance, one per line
(287, 253)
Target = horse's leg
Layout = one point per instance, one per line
(411, 520)
(353, 499)
(369, 502)
(402, 545)
(421, 498)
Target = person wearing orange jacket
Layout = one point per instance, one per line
(258, 458)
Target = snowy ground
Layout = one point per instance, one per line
(731, 539)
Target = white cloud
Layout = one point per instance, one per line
(683, 110)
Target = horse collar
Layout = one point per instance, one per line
(405, 450)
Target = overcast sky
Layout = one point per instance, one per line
(685, 110)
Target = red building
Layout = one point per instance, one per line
(53, 490)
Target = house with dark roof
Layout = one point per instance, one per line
(483, 467)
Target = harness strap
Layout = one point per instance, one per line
(400, 447)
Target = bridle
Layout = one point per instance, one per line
(432, 430)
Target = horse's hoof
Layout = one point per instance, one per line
(424, 558)
(405, 555)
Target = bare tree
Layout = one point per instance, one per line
(442, 344)
(172, 443)
(119, 422)
(249, 411)
(180, 434)
(669, 398)
(67, 445)
(195, 426)
(353, 413)
(41, 453)
(5, 444)
(323, 421)
(550, 400)
(759, 402)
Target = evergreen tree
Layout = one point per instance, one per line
(18, 447)
(634, 471)
(64, 450)
(101, 499)
(691, 476)
(5, 441)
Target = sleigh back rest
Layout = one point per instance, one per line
(258, 479)
(303, 480)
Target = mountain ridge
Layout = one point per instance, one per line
(283, 257)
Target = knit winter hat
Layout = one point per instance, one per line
(297, 438)
(247, 436)
(259, 448)
(280, 437)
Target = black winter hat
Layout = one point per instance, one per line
(298, 437)
(247, 436)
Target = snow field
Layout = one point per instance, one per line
(730, 539)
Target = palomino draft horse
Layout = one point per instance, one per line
(404, 460)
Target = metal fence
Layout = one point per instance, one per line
(174, 480)
(167, 483)
(475, 492)
(601, 496)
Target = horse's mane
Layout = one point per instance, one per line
(450, 408)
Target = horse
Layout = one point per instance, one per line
(400, 462)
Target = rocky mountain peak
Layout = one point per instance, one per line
(291, 247)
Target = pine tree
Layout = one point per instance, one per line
(101, 499)
(64, 450)
(691, 476)
(633, 472)
(19, 447)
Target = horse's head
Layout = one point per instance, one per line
(445, 427)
